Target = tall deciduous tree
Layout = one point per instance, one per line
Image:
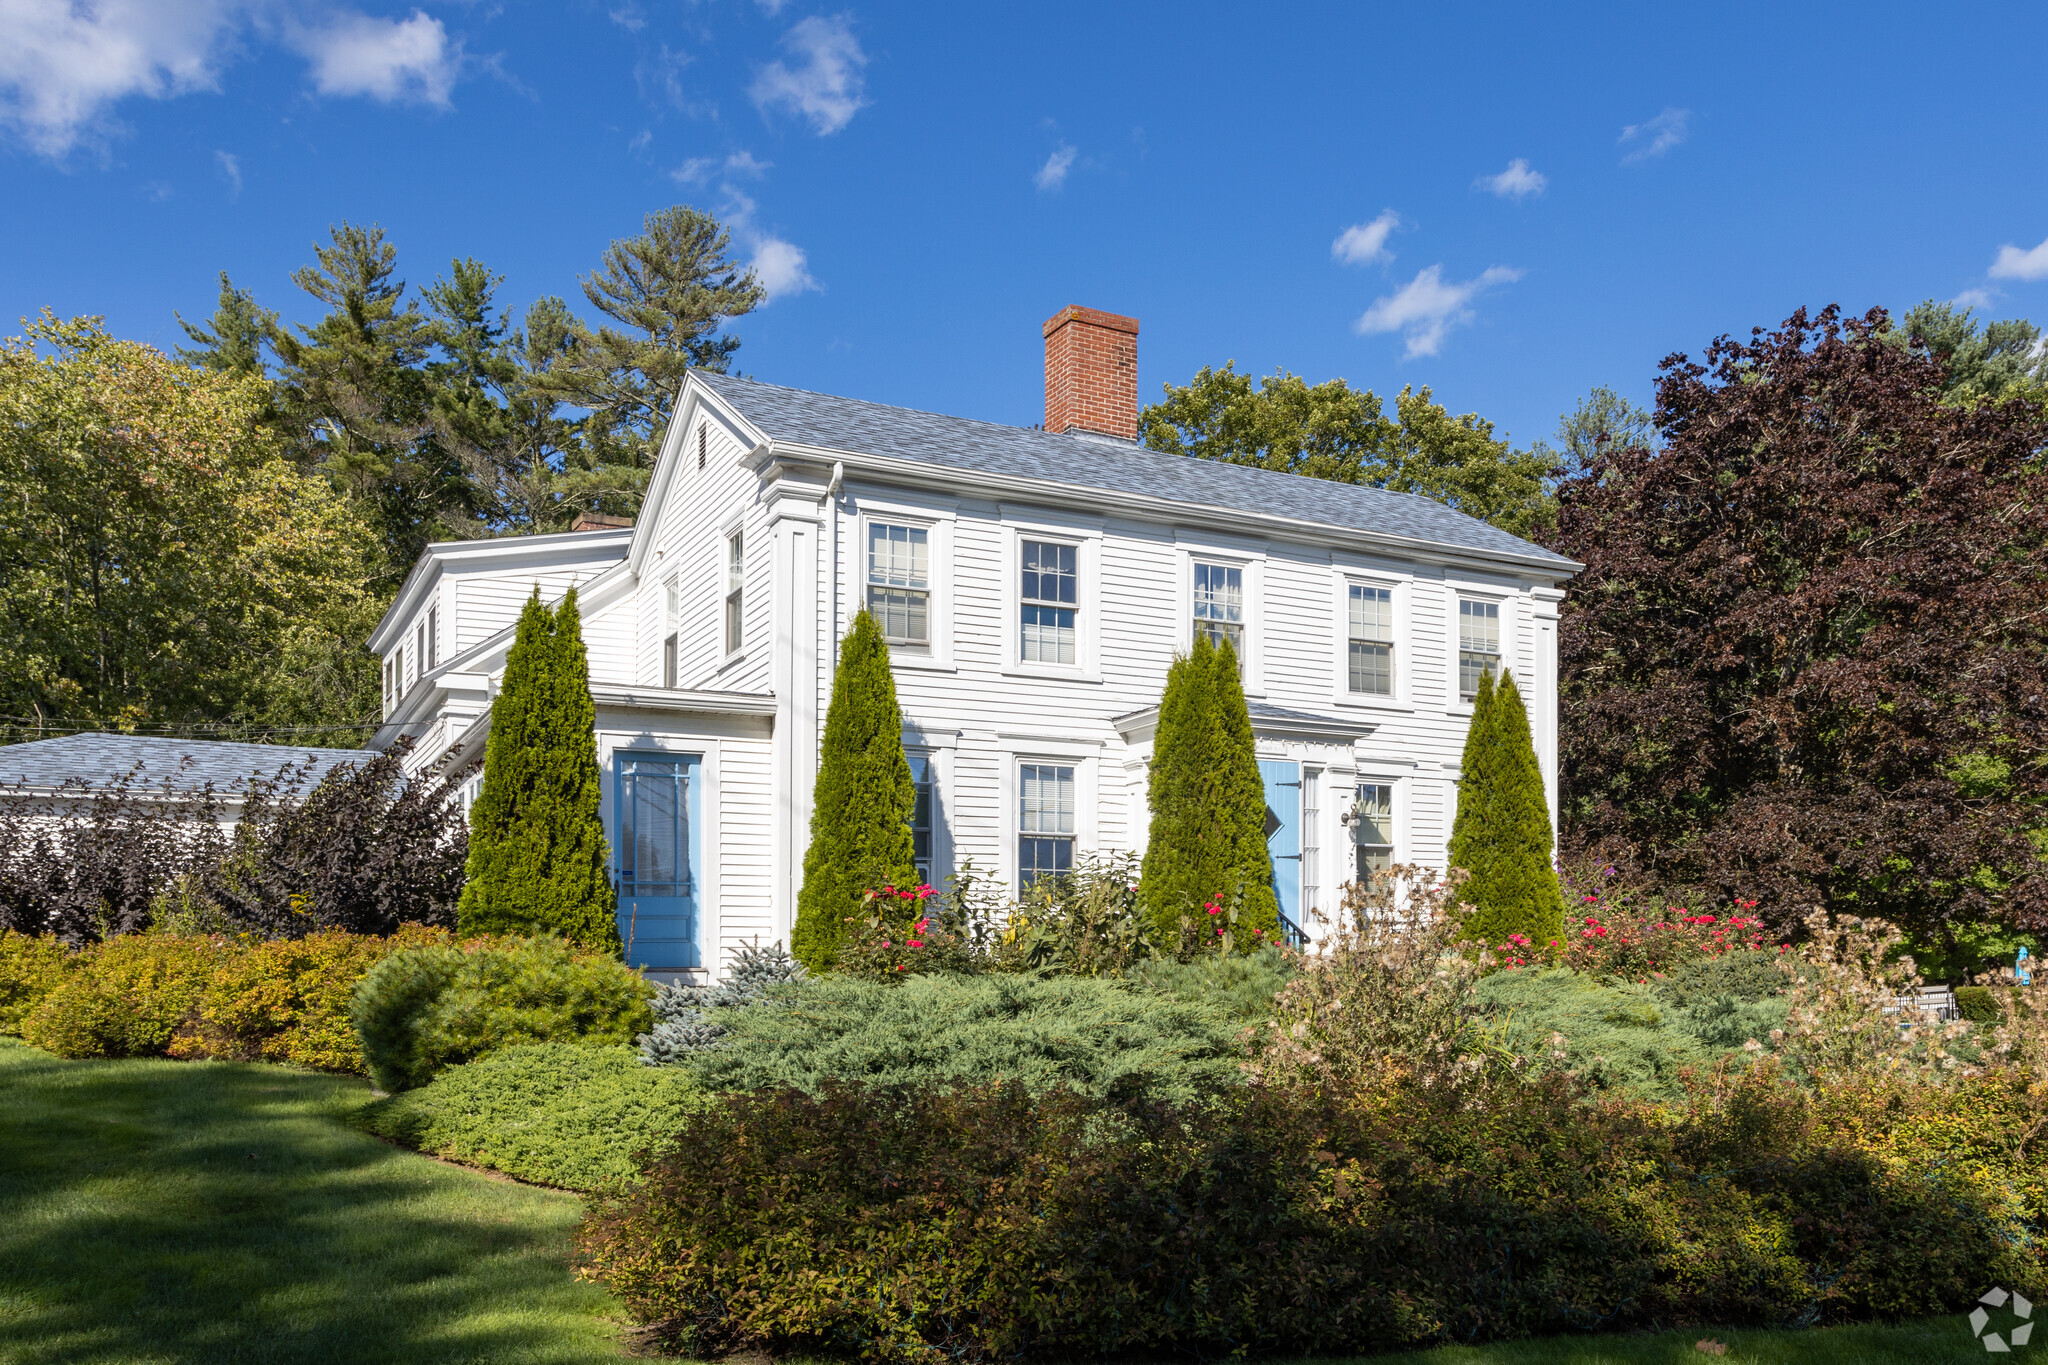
(1333, 431)
(860, 810)
(1207, 842)
(1805, 662)
(1502, 833)
(538, 860)
(155, 543)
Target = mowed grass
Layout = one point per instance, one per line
(211, 1212)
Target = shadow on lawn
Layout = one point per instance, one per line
(218, 1212)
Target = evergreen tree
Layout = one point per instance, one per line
(1502, 834)
(232, 340)
(860, 813)
(1208, 800)
(538, 861)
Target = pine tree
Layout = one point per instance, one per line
(1502, 835)
(538, 860)
(1208, 800)
(232, 340)
(860, 812)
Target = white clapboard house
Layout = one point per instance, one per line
(1034, 584)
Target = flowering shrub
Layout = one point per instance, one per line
(896, 937)
(1640, 945)
(1086, 921)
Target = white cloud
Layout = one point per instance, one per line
(698, 169)
(63, 65)
(386, 59)
(1655, 137)
(1973, 298)
(2015, 264)
(744, 163)
(1516, 182)
(1053, 173)
(1425, 308)
(629, 17)
(1364, 243)
(231, 167)
(827, 87)
(695, 171)
(781, 267)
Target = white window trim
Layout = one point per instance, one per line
(728, 648)
(1403, 698)
(1508, 599)
(1015, 751)
(668, 627)
(1253, 562)
(1087, 543)
(939, 753)
(938, 529)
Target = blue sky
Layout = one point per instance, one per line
(1510, 204)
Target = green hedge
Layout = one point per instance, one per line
(551, 1113)
(910, 1225)
(1087, 1034)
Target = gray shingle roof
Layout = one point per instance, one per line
(97, 760)
(1103, 463)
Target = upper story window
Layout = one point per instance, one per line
(433, 637)
(1050, 594)
(419, 649)
(1478, 644)
(1045, 820)
(899, 584)
(1372, 829)
(921, 814)
(1219, 604)
(735, 587)
(1372, 641)
(671, 613)
(392, 666)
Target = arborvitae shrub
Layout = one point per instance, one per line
(1502, 833)
(553, 1113)
(1208, 802)
(538, 860)
(421, 1011)
(860, 809)
(1976, 1004)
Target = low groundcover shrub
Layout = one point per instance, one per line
(915, 1224)
(426, 1009)
(551, 1113)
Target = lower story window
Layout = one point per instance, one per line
(1372, 828)
(921, 815)
(1045, 820)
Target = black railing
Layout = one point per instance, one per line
(1292, 932)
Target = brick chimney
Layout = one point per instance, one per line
(1091, 373)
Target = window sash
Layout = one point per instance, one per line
(922, 780)
(1048, 611)
(735, 581)
(1045, 820)
(1372, 827)
(1219, 604)
(899, 583)
(1478, 644)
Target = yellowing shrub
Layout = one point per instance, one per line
(288, 1000)
(30, 967)
(127, 997)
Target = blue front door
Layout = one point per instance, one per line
(1283, 834)
(658, 805)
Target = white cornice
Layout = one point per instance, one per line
(602, 547)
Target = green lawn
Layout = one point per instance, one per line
(205, 1212)
(202, 1212)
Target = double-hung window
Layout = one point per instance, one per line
(1372, 828)
(1046, 612)
(671, 612)
(921, 782)
(735, 587)
(433, 637)
(391, 666)
(1372, 641)
(1219, 604)
(1478, 644)
(1045, 820)
(899, 585)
